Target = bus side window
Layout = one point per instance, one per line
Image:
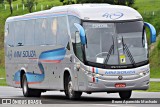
(29, 32)
(62, 31)
(6, 29)
(10, 36)
(51, 31)
(40, 31)
(19, 33)
(6, 32)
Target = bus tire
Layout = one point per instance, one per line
(27, 92)
(125, 94)
(70, 93)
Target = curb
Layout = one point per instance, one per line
(155, 80)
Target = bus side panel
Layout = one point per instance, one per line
(67, 66)
(47, 64)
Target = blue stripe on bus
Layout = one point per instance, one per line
(34, 77)
(17, 76)
(96, 79)
(96, 70)
(57, 54)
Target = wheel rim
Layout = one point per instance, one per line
(70, 89)
(25, 86)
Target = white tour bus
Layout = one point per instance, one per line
(78, 48)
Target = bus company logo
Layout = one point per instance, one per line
(29, 53)
(120, 77)
(9, 54)
(113, 16)
(119, 72)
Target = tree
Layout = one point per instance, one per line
(118, 2)
(96, 1)
(130, 2)
(67, 2)
(29, 4)
(1, 1)
(10, 5)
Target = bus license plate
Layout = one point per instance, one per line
(118, 85)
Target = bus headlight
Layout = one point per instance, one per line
(88, 72)
(143, 73)
(93, 74)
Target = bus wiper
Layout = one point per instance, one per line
(110, 51)
(125, 47)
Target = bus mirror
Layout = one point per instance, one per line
(81, 33)
(152, 32)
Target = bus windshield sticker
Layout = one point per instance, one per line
(99, 26)
(122, 59)
(100, 60)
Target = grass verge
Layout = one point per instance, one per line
(154, 87)
(2, 77)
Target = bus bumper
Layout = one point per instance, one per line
(109, 85)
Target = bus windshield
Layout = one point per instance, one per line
(115, 43)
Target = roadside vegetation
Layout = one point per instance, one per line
(2, 77)
(149, 9)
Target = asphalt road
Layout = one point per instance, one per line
(88, 100)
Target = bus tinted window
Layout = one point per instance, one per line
(62, 31)
(40, 31)
(10, 37)
(51, 31)
(29, 32)
(19, 33)
(127, 27)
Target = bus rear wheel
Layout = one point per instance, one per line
(70, 93)
(27, 92)
(125, 94)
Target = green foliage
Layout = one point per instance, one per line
(2, 75)
(154, 87)
(1, 1)
(118, 2)
(29, 4)
(150, 11)
(155, 60)
(96, 1)
(10, 4)
(66, 2)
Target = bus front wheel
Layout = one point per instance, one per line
(70, 93)
(125, 94)
(27, 92)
